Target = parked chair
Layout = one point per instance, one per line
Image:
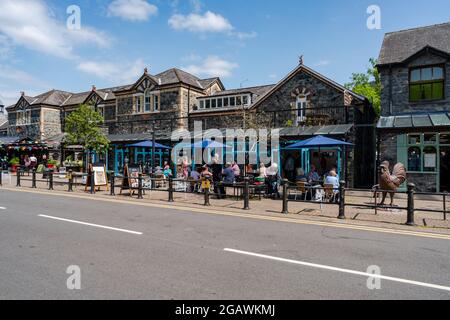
(329, 193)
(302, 190)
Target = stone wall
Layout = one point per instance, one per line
(51, 123)
(400, 88)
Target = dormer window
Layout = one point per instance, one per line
(426, 83)
(148, 101)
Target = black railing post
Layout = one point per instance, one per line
(411, 191)
(171, 189)
(70, 180)
(1, 177)
(112, 179)
(445, 206)
(18, 178)
(247, 193)
(50, 180)
(285, 196)
(140, 196)
(92, 182)
(206, 190)
(33, 179)
(341, 200)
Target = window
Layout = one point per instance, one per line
(239, 101)
(138, 104)
(414, 156)
(245, 100)
(426, 84)
(155, 103)
(208, 104)
(226, 102)
(28, 117)
(232, 101)
(301, 106)
(202, 104)
(213, 103)
(430, 159)
(101, 110)
(148, 101)
(219, 103)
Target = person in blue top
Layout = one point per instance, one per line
(228, 174)
(313, 176)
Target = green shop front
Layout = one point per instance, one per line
(422, 144)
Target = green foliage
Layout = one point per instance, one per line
(368, 84)
(83, 128)
(14, 161)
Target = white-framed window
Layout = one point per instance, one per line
(101, 110)
(28, 117)
(138, 104)
(147, 101)
(301, 106)
(202, 104)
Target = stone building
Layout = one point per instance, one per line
(303, 104)
(414, 127)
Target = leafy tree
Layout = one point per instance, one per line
(368, 84)
(83, 128)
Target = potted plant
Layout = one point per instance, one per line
(14, 163)
(52, 163)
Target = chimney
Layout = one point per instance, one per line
(145, 70)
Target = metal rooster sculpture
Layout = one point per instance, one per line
(391, 182)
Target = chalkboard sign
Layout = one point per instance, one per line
(100, 178)
(130, 178)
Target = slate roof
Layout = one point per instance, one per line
(399, 46)
(428, 120)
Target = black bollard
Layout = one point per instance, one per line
(206, 190)
(92, 183)
(1, 177)
(112, 178)
(410, 210)
(285, 196)
(341, 200)
(70, 181)
(246, 193)
(33, 179)
(171, 189)
(140, 196)
(18, 177)
(50, 180)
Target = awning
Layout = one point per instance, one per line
(148, 144)
(9, 140)
(308, 131)
(319, 142)
(428, 120)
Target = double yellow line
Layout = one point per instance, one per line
(246, 216)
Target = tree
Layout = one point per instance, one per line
(83, 128)
(368, 84)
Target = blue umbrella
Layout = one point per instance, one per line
(148, 144)
(318, 142)
(209, 144)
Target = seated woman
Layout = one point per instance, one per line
(332, 179)
(301, 176)
(273, 179)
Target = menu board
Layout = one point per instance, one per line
(130, 179)
(100, 176)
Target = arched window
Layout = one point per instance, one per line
(414, 156)
(430, 159)
(301, 105)
(148, 101)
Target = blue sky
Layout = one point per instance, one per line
(247, 43)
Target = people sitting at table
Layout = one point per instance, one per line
(313, 176)
(217, 169)
(229, 174)
(205, 172)
(248, 168)
(301, 176)
(332, 179)
(196, 174)
(167, 171)
(262, 171)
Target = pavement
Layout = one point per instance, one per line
(126, 249)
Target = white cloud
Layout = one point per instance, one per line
(322, 63)
(31, 24)
(194, 22)
(6, 47)
(244, 35)
(117, 72)
(197, 5)
(213, 66)
(133, 10)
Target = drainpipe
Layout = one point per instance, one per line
(390, 90)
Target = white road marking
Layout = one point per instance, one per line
(2, 208)
(90, 224)
(324, 267)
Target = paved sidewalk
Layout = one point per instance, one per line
(392, 219)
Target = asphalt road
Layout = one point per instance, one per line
(172, 254)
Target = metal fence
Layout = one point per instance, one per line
(242, 191)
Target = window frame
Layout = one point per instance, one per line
(427, 82)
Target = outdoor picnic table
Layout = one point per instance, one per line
(238, 189)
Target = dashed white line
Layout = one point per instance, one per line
(2, 208)
(90, 224)
(329, 268)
